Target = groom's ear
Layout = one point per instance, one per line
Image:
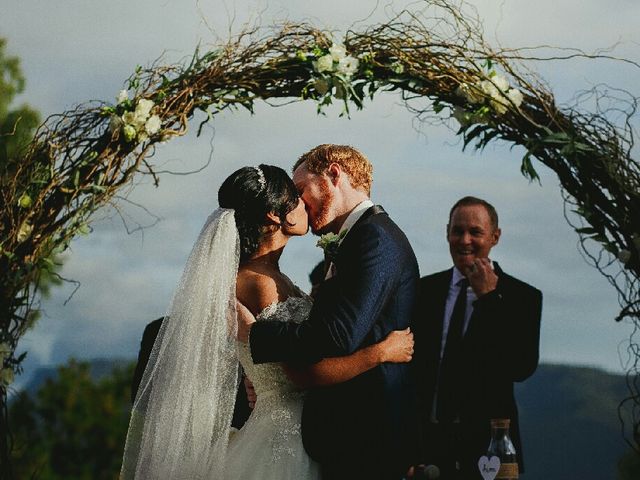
(334, 171)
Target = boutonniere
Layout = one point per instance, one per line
(329, 242)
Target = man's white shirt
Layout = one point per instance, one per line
(350, 221)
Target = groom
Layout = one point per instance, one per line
(363, 428)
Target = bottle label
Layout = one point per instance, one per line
(489, 467)
(507, 471)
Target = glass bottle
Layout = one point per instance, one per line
(502, 447)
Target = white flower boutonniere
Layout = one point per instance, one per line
(329, 242)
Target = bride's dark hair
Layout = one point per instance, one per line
(252, 199)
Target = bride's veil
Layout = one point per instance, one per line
(181, 417)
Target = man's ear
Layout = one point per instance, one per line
(273, 218)
(496, 236)
(334, 173)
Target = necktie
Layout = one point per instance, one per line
(451, 363)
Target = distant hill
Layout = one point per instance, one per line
(570, 425)
(569, 420)
(100, 367)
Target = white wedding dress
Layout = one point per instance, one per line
(181, 418)
(269, 446)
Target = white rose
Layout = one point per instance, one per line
(348, 65)
(143, 108)
(321, 86)
(6, 376)
(123, 96)
(153, 125)
(500, 82)
(498, 106)
(337, 52)
(515, 96)
(624, 256)
(489, 89)
(129, 118)
(324, 64)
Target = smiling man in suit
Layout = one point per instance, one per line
(477, 331)
(365, 427)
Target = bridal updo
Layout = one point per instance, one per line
(253, 192)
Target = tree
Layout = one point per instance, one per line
(74, 426)
(18, 124)
(17, 127)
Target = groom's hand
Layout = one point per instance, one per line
(245, 320)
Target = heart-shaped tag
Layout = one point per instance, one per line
(489, 467)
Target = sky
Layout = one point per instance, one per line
(73, 51)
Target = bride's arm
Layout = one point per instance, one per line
(397, 347)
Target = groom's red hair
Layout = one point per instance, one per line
(352, 162)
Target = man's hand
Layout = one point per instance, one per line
(245, 320)
(481, 277)
(397, 347)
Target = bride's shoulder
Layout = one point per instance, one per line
(256, 290)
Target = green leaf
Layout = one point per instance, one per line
(527, 169)
(586, 231)
(557, 137)
(486, 138)
(437, 106)
(473, 133)
(598, 237)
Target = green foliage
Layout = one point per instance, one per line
(17, 124)
(74, 427)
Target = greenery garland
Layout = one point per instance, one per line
(79, 159)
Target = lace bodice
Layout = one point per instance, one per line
(275, 420)
(269, 377)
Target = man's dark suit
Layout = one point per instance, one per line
(363, 428)
(499, 347)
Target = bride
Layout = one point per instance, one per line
(180, 426)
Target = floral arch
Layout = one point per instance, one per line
(79, 159)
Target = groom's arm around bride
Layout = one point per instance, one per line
(371, 293)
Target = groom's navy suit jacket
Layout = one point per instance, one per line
(500, 346)
(370, 420)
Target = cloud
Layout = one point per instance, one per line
(87, 49)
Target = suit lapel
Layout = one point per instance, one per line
(437, 312)
(373, 210)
